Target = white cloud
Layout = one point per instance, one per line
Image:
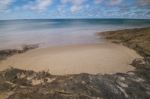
(38, 5)
(65, 1)
(78, 2)
(98, 1)
(4, 4)
(77, 5)
(144, 2)
(75, 8)
(62, 9)
(74, 2)
(115, 2)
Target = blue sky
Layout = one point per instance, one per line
(36, 9)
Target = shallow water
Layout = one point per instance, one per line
(15, 33)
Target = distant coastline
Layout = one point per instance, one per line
(78, 19)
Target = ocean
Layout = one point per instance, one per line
(60, 32)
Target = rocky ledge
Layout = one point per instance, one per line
(24, 84)
(9, 52)
(137, 39)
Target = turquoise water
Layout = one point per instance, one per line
(46, 32)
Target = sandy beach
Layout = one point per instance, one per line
(105, 58)
(95, 58)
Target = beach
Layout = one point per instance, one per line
(66, 46)
(74, 49)
(104, 58)
(118, 70)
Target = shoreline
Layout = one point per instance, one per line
(74, 59)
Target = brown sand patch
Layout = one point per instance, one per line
(98, 58)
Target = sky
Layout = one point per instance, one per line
(52, 9)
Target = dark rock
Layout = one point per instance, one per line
(29, 47)
(4, 87)
(137, 39)
(79, 86)
(9, 52)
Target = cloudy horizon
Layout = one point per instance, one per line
(51, 9)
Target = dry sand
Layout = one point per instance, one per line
(96, 58)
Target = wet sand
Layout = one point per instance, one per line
(95, 58)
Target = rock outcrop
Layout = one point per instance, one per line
(42, 85)
(9, 52)
(137, 39)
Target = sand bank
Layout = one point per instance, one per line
(96, 58)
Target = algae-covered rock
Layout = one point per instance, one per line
(138, 39)
(79, 86)
(9, 52)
